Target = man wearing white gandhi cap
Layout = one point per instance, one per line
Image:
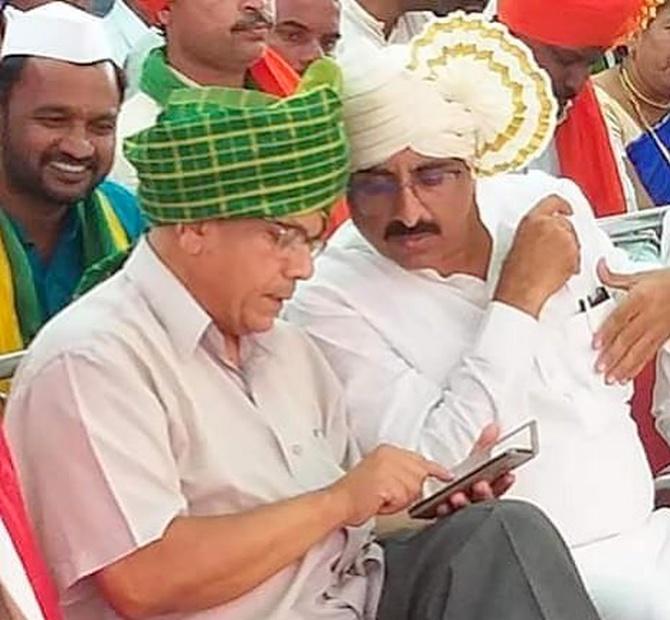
(60, 94)
(57, 30)
(459, 296)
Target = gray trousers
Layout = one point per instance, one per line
(493, 561)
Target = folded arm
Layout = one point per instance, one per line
(201, 562)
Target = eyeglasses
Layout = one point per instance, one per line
(381, 189)
(290, 238)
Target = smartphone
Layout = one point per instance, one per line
(489, 471)
(510, 451)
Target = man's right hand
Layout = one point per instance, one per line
(544, 255)
(385, 482)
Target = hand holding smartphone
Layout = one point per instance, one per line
(509, 453)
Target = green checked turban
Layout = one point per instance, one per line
(225, 153)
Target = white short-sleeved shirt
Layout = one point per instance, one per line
(137, 419)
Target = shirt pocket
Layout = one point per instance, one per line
(579, 356)
(567, 359)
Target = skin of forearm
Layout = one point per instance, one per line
(202, 562)
(518, 296)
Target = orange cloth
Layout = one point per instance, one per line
(586, 156)
(273, 75)
(576, 23)
(582, 141)
(151, 8)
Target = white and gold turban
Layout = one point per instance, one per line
(464, 88)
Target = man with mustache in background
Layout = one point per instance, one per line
(208, 43)
(59, 100)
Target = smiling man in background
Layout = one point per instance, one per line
(60, 96)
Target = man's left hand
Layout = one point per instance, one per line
(480, 491)
(632, 335)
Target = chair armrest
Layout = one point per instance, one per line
(9, 362)
(662, 488)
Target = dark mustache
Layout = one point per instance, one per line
(253, 18)
(398, 229)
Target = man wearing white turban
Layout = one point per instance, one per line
(453, 300)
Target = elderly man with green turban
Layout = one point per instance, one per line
(204, 469)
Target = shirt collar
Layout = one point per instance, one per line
(184, 319)
(252, 346)
(235, 97)
(187, 81)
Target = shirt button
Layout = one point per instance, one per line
(296, 449)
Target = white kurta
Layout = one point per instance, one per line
(137, 419)
(125, 28)
(136, 57)
(360, 29)
(427, 361)
(137, 114)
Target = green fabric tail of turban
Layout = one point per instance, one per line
(209, 158)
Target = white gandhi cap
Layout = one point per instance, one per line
(58, 31)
